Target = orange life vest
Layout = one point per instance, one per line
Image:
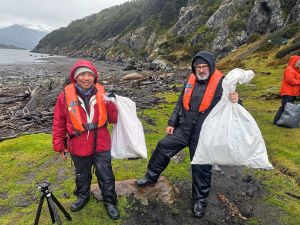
(209, 92)
(73, 107)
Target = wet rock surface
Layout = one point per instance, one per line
(28, 92)
(163, 191)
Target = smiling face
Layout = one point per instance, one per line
(85, 80)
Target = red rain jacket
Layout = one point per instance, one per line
(82, 145)
(291, 78)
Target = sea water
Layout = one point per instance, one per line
(18, 56)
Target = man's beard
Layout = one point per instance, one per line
(202, 76)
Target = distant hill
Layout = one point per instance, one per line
(9, 47)
(172, 30)
(20, 36)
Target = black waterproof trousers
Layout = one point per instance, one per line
(83, 175)
(285, 99)
(170, 146)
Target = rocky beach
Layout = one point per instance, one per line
(28, 91)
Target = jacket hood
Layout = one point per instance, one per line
(293, 60)
(209, 58)
(81, 63)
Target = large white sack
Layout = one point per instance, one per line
(128, 139)
(230, 135)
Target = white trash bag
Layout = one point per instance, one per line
(128, 139)
(230, 135)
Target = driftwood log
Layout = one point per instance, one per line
(9, 98)
(233, 210)
(32, 111)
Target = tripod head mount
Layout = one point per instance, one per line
(43, 186)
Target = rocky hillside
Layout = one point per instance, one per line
(172, 30)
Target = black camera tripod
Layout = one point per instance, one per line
(51, 200)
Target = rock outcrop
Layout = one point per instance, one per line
(189, 20)
(163, 190)
(138, 39)
(266, 16)
(171, 30)
(295, 14)
(226, 11)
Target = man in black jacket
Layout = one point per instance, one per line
(202, 91)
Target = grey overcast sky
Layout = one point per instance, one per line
(49, 13)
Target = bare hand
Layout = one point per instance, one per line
(234, 97)
(170, 130)
(64, 153)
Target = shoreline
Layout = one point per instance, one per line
(28, 92)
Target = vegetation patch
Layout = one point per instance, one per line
(279, 38)
(236, 25)
(287, 6)
(293, 47)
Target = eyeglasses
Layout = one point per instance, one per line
(204, 67)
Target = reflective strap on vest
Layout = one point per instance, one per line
(209, 91)
(74, 112)
(102, 120)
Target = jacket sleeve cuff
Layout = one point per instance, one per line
(171, 123)
(58, 148)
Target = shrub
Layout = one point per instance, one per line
(297, 39)
(253, 38)
(227, 64)
(279, 38)
(278, 62)
(288, 50)
(236, 25)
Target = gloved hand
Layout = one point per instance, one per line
(64, 153)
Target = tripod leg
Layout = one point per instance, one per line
(54, 211)
(50, 210)
(66, 214)
(38, 212)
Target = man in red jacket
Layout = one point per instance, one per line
(82, 113)
(290, 86)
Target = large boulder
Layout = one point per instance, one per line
(159, 64)
(163, 190)
(130, 64)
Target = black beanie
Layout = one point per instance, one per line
(200, 60)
